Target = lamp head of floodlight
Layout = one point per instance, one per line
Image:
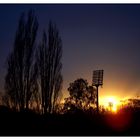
(97, 79)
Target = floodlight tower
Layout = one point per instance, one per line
(97, 81)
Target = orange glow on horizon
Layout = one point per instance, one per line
(110, 102)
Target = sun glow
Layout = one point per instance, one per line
(111, 103)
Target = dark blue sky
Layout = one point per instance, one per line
(94, 37)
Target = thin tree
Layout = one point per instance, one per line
(42, 65)
(20, 80)
(50, 54)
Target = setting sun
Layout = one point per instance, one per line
(110, 102)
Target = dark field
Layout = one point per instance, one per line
(28, 123)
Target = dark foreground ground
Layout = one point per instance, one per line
(27, 123)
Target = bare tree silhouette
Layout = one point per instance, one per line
(49, 62)
(20, 80)
(42, 65)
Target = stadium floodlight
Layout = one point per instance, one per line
(97, 78)
(97, 81)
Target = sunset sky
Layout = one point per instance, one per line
(94, 37)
